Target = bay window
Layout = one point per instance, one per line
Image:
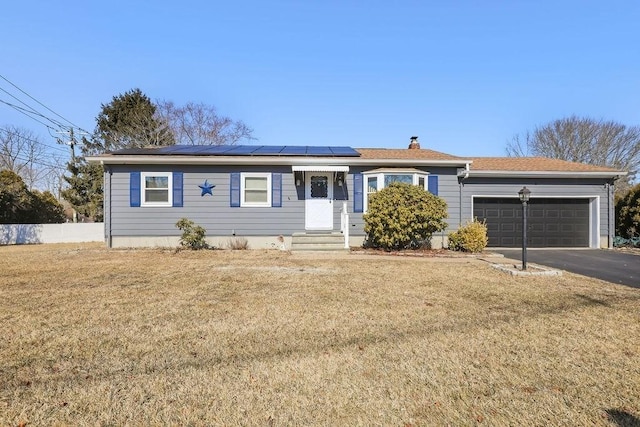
(378, 179)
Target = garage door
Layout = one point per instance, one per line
(551, 222)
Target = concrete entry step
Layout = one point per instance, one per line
(329, 241)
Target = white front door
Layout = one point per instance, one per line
(319, 201)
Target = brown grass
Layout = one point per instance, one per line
(97, 337)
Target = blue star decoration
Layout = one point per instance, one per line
(206, 188)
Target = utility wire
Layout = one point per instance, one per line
(20, 109)
(30, 111)
(33, 110)
(40, 103)
(37, 162)
(53, 147)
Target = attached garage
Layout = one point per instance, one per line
(551, 222)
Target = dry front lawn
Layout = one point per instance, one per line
(150, 337)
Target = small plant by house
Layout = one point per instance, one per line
(193, 235)
(238, 243)
(403, 216)
(471, 237)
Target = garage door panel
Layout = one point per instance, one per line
(508, 227)
(552, 213)
(492, 213)
(582, 214)
(536, 213)
(550, 222)
(536, 241)
(551, 228)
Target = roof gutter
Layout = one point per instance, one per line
(544, 174)
(266, 160)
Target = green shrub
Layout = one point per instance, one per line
(193, 236)
(403, 216)
(628, 214)
(471, 237)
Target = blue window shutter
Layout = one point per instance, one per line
(432, 184)
(177, 190)
(276, 190)
(358, 202)
(134, 189)
(235, 189)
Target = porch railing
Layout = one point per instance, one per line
(344, 224)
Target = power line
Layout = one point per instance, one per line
(31, 111)
(53, 147)
(40, 103)
(20, 110)
(39, 162)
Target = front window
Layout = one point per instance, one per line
(405, 178)
(256, 189)
(156, 188)
(378, 179)
(372, 184)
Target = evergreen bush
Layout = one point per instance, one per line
(403, 216)
(628, 214)
(471, 237)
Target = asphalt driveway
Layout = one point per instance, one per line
(609, 265)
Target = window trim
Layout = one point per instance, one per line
(243, 202)
(379, 175)
(143, 189)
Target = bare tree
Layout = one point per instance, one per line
(23, 153)
(53, 177)
(200, 124)
(596, 142)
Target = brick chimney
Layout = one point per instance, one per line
(414, 144)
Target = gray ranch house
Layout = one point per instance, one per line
(279, 196)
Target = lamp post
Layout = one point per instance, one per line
(524, 198)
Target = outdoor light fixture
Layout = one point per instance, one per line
(340, 179)
(524, 195)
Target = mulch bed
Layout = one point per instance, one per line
(424, 253)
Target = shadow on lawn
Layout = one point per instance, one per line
(623, 418)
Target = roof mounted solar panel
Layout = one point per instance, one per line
(269, 150)
(214, 149)
(344, 151)
(242, 150)
(319, 151)
(294, 150)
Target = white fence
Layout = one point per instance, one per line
(19, 234)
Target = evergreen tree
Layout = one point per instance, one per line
(18, 205)
(128, 121)
(85, 190)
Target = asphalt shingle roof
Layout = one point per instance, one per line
(399, 154)
(532, 164)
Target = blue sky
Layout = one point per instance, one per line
(464, 76)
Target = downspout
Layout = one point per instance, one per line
(108, 222)
(462, 176)
(610, 217)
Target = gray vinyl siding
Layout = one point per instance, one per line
(447, 189)
(212, 212)
(540, 187)
(219, 219)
